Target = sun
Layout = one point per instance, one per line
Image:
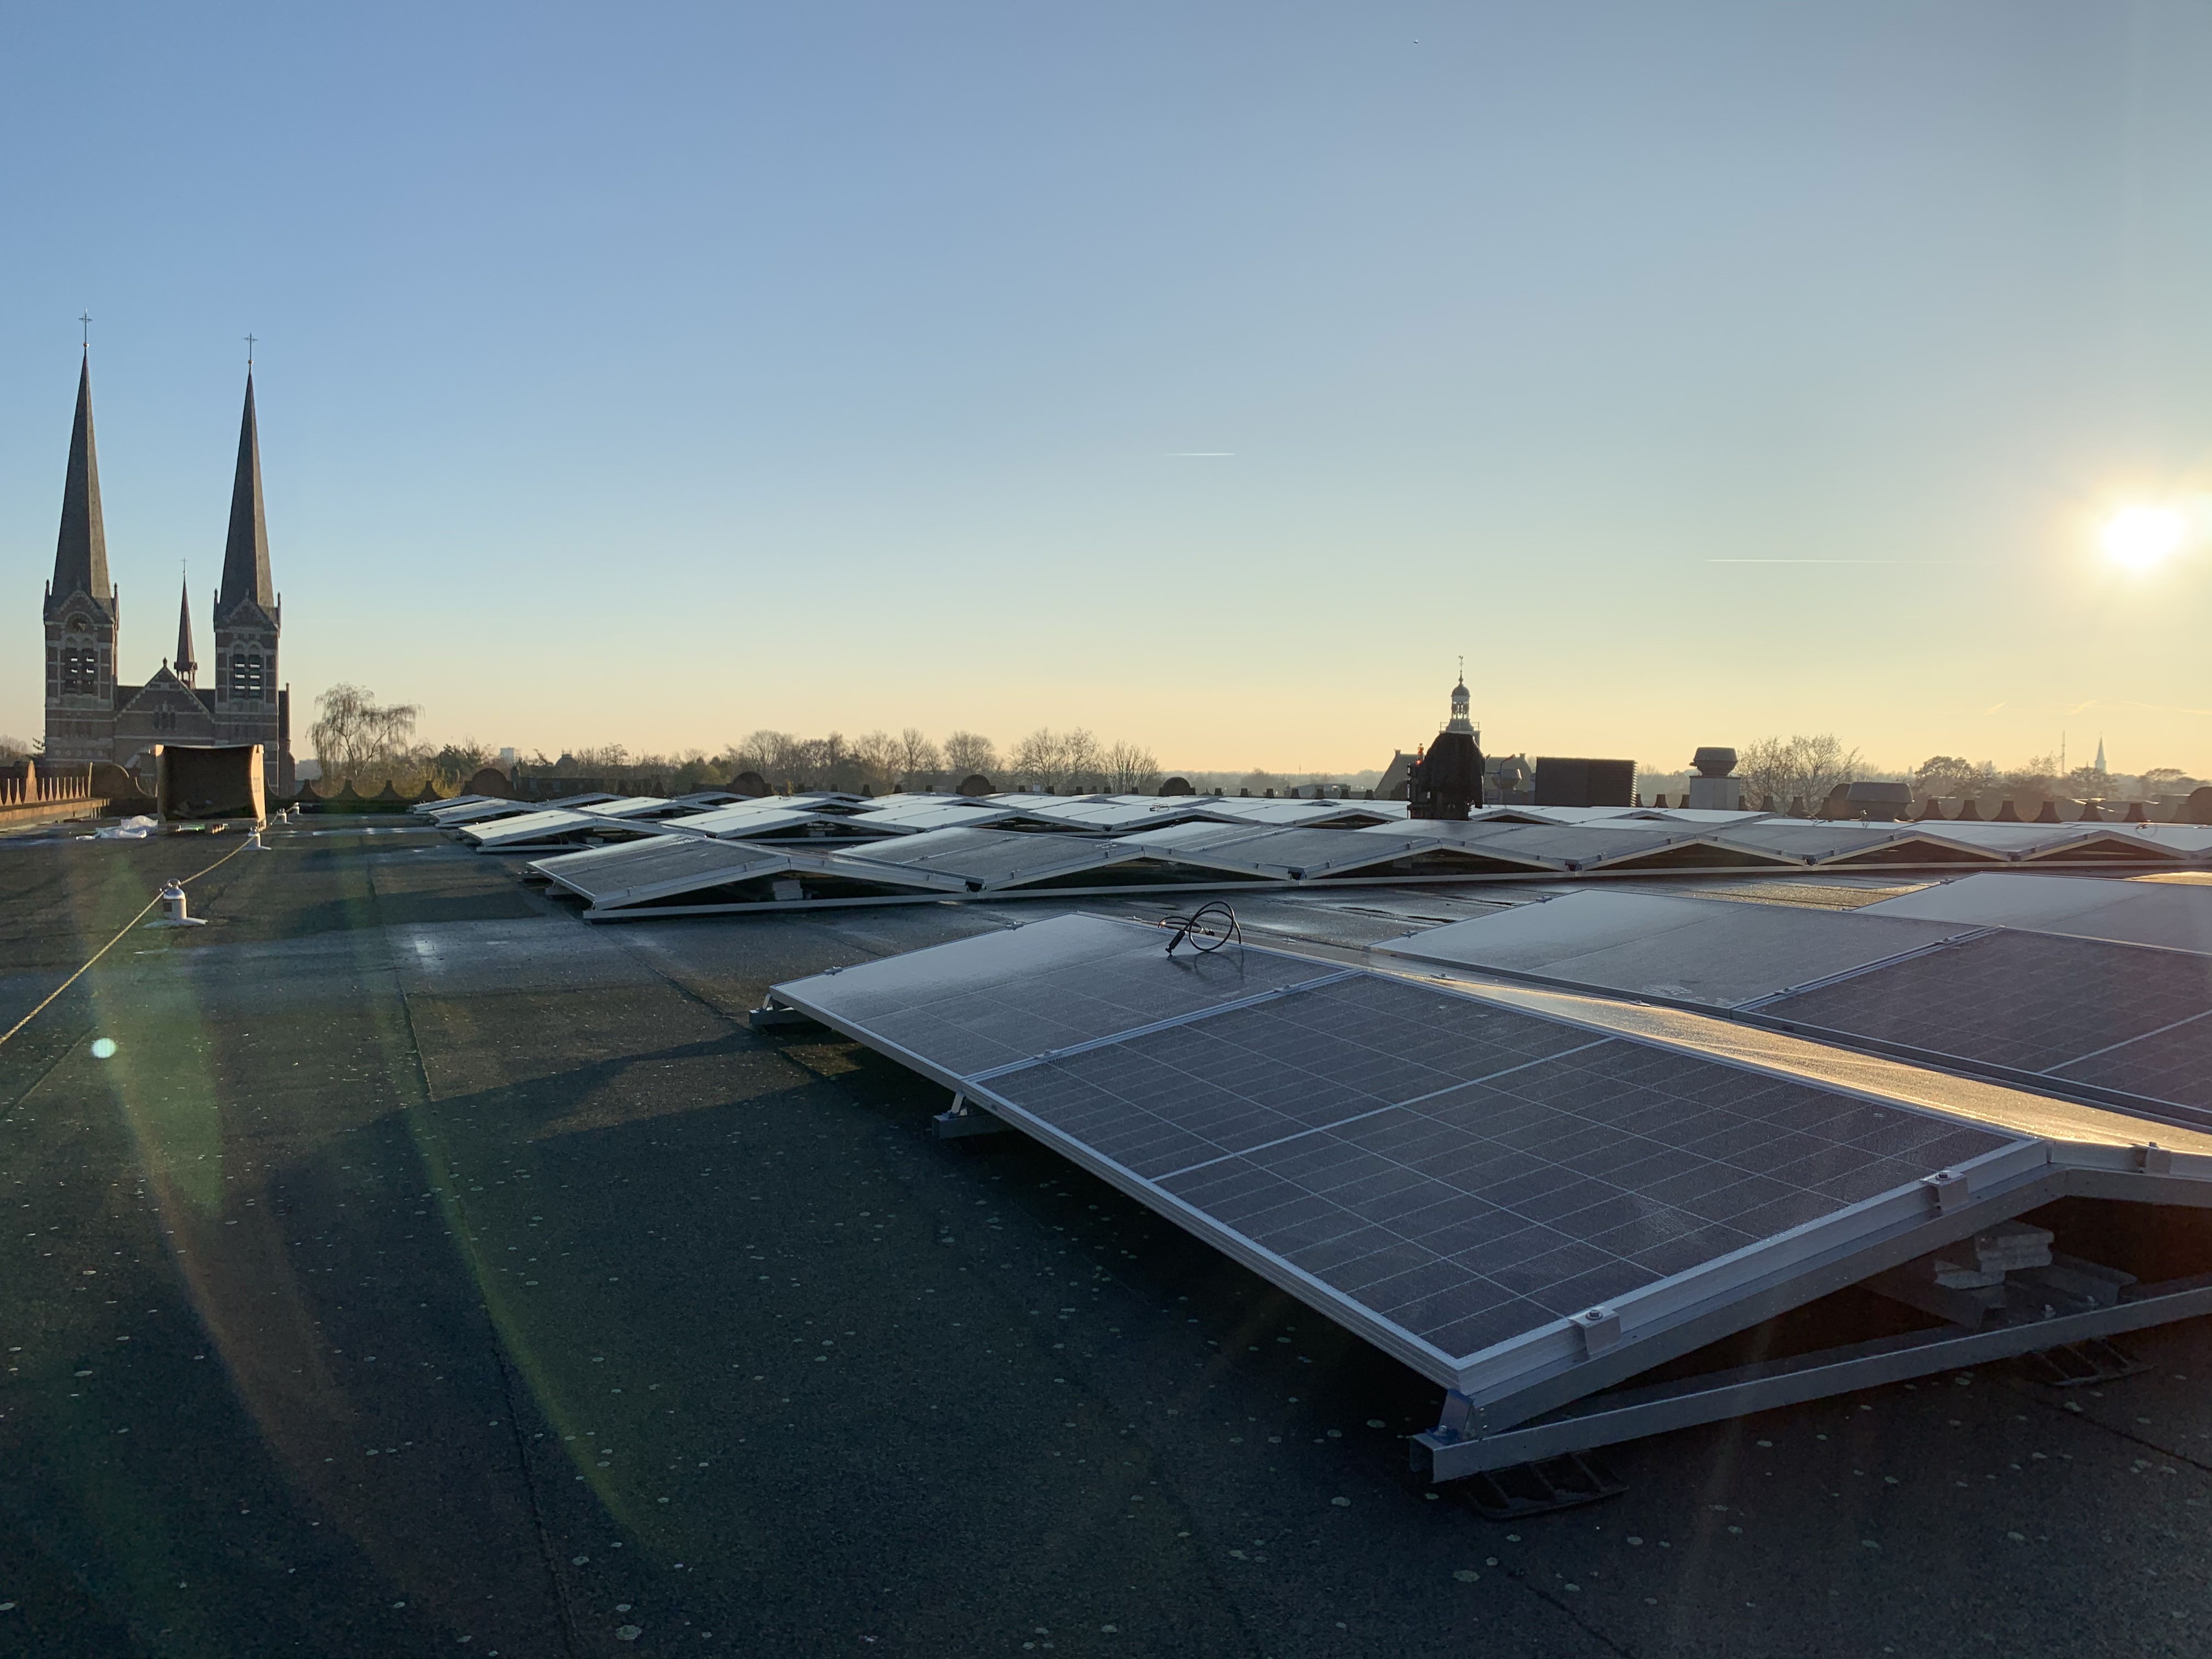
(2139, 537)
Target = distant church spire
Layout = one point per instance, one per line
(81, 555)
(184, 667)
(246, 555)
(2100, 752)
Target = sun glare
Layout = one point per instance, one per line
(2139, 537)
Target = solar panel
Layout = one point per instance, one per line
(990, 860)
(1303, 854)
(771, 817)
(914, 818)
(1292, 813)
(1685, 950)
(533, 828)
(2115, 1016)
(1443, 1175)
(453, 816)
(1810, 842)
(639, 871)
(1201, 833)
(965, 1008)
(1469, 1172)
(2058, 843)
(2155, 912)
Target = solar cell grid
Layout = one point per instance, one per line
(2173, 1066)
(661, 861)
(2030, 1002)
(1470, 1172)
(1006, 997)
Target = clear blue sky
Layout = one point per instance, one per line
(649, 374)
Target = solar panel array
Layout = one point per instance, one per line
(1446, 1170)
(1133, 843)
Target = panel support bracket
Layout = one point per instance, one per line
(963, 1119)
(772, 1015)
(1447, 1452)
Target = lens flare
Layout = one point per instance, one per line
(2139, 537)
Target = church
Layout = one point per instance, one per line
(91, 716)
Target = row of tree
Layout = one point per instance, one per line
(1807, 768)
(2042, 778)
(356, 737)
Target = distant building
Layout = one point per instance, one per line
(91, 714)
(1446, 779)
(1506, 778)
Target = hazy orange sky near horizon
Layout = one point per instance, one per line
(1210, 377)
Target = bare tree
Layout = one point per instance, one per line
(919, 763)
(1086, 762)
(1041, 759)
(969, 753)
(1801, 769)
(875, 758)
(1130, 770)
(355, 733)
(824, 763)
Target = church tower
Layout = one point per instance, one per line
(82, 608)
(185, 668)
(249, 704)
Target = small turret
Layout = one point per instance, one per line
(1447, 780)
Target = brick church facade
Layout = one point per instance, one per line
(91, 716)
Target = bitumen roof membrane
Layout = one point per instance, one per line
(425, 1271)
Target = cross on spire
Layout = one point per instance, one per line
(86, 318)
(249, 351)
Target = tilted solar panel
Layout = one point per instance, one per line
(1442, 1174)
(965, 1008)
(2121, 1018)
(1469, 1172)
(661, 866)
(1714, 952)
(2127, 912)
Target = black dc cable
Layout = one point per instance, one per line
(1209, 927)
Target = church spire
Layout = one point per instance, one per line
(184, 667)
(81, 555)
(246, 555)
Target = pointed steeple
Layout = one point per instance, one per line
(184, 667)
(246, 555)
(2100, 752)
(81, 555)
